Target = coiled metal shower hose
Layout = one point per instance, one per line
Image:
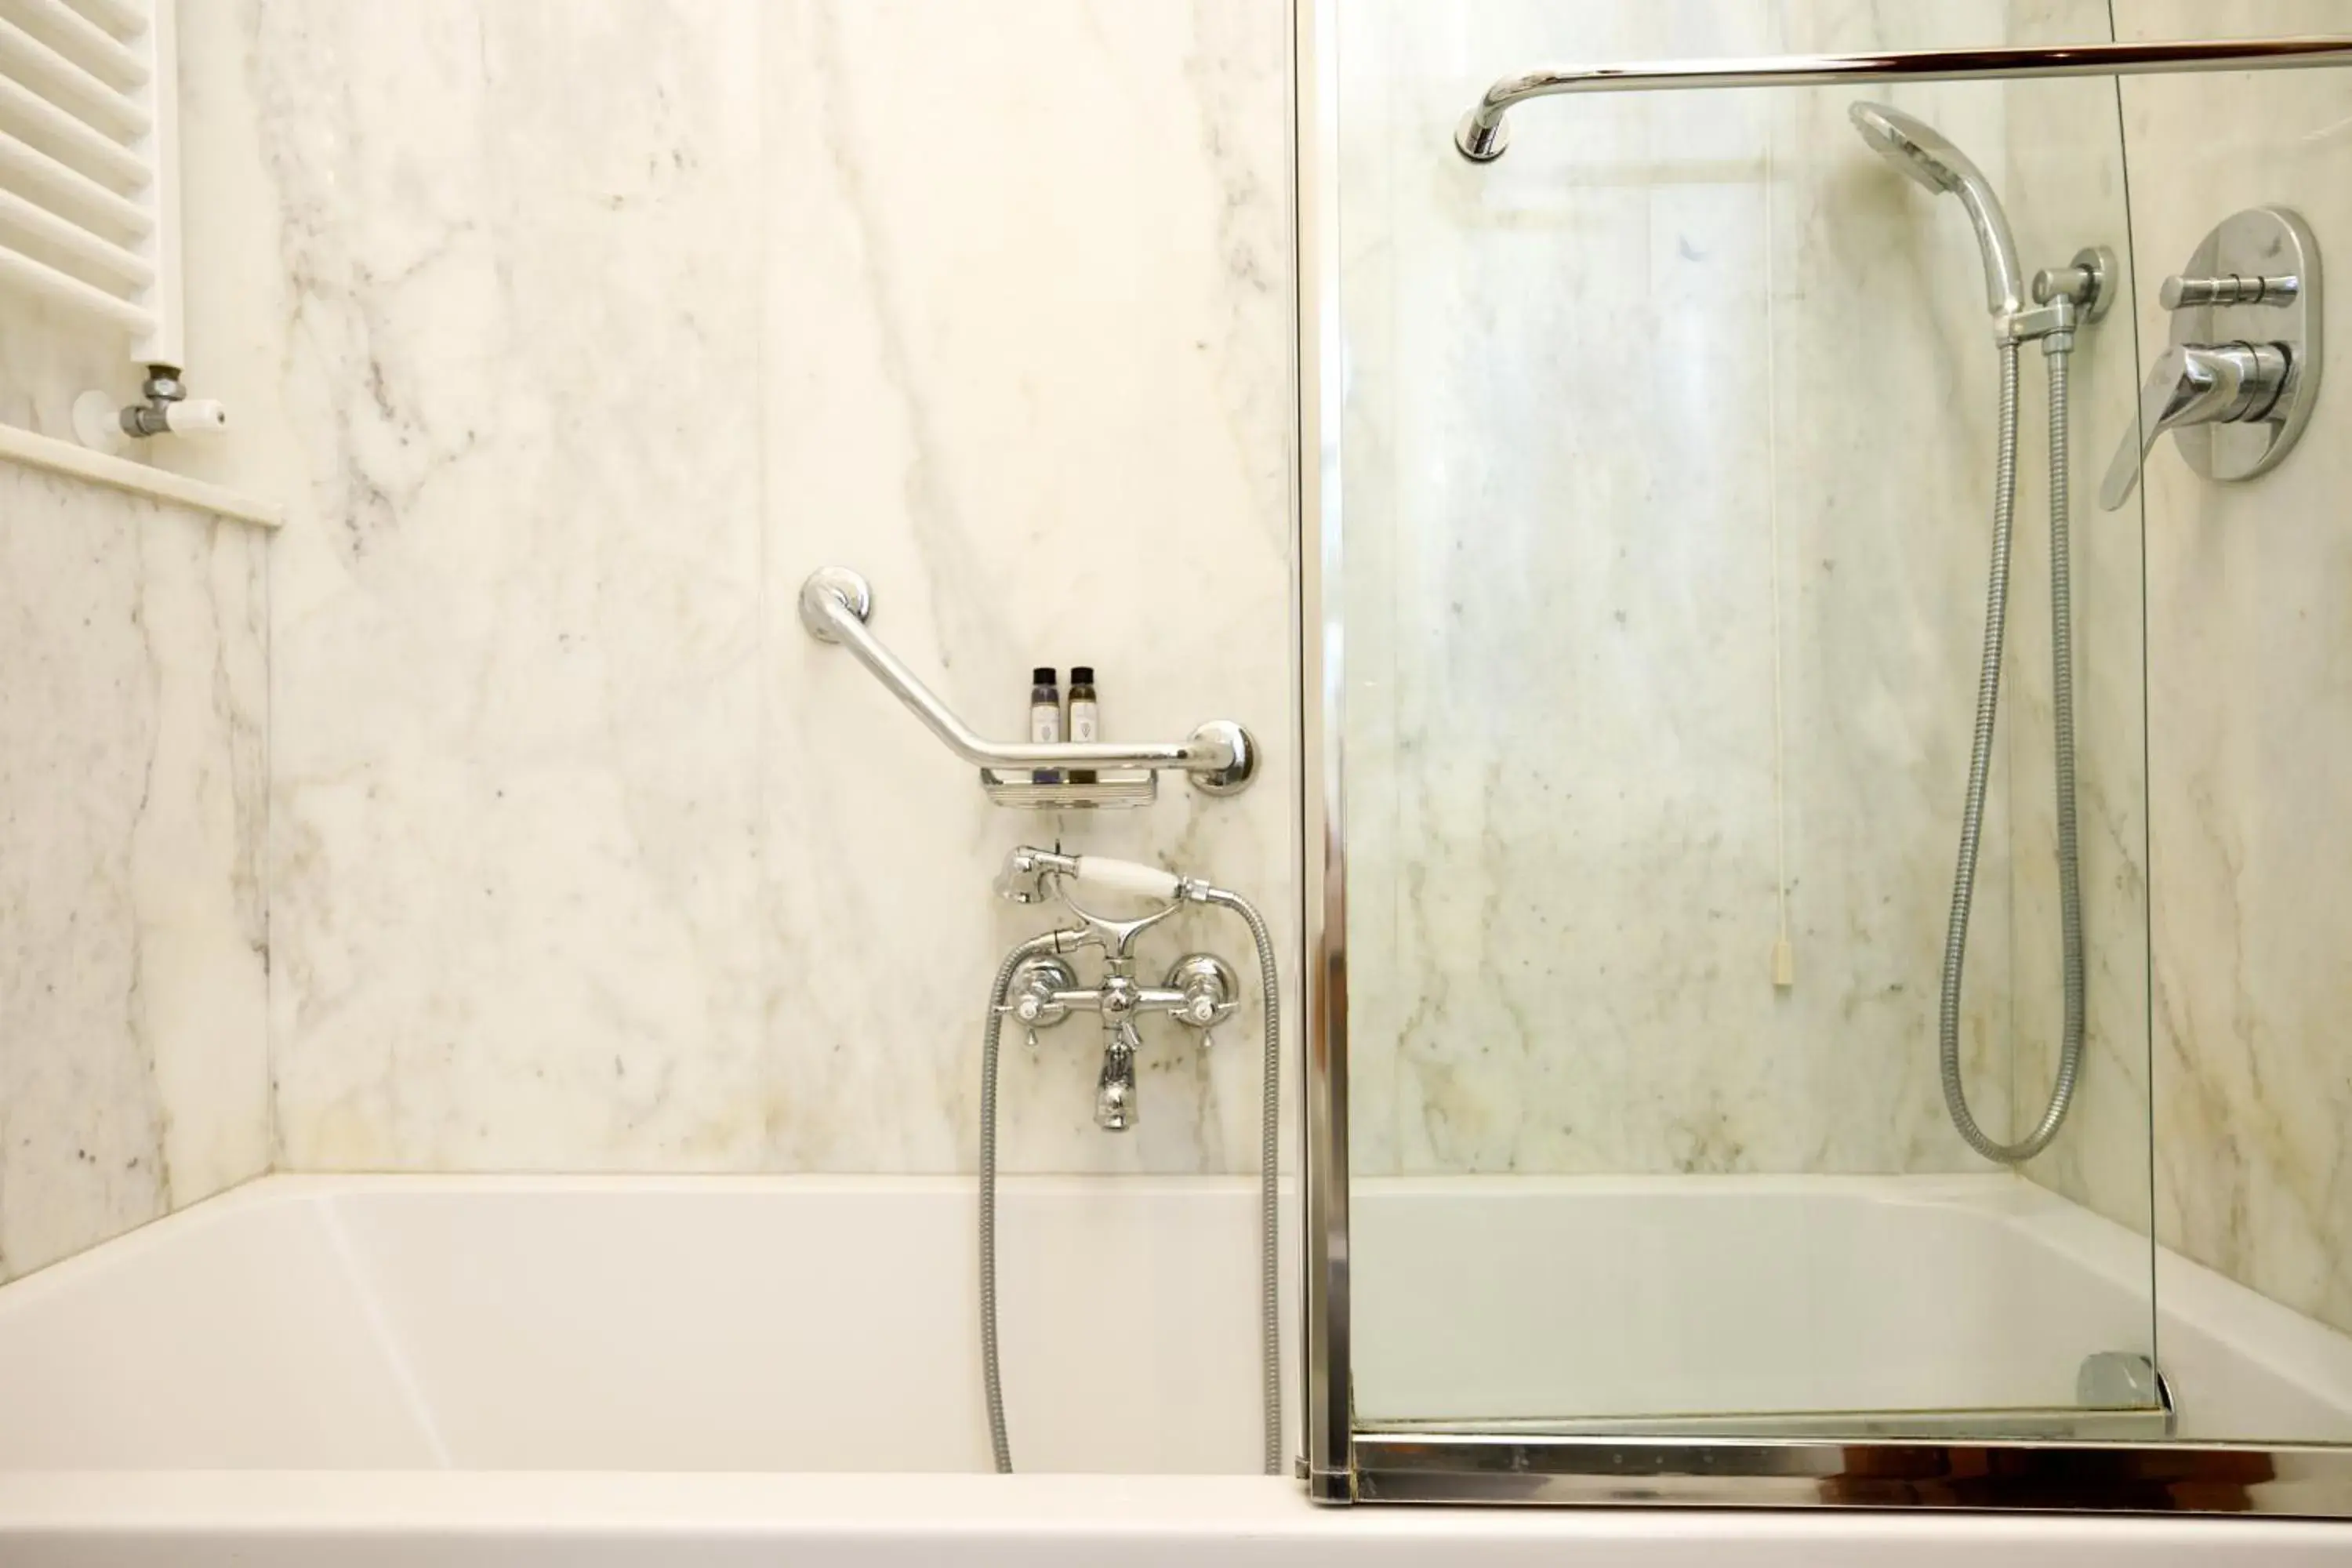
(2061, 660)
(1269, 1158)
(1269, 1200)
(1035, 947)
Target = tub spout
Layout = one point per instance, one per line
(1115, 1108)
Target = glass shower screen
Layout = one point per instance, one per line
(1669, 468)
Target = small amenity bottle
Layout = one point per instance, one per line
(1086, 719)
(1045, 718)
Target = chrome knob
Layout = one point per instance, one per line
(2182, 293)
(2085, 282)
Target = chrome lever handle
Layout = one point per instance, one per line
(2193, 384)
(2183, 382)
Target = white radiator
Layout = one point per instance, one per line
(89, 200)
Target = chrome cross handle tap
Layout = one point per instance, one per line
(2193, 384)
(1209, 990)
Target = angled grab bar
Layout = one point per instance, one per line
(1220, 756)
(1482, 136)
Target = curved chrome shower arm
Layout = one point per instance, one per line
(1483, 136)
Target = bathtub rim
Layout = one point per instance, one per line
(284, 1516)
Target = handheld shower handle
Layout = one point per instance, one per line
(2192, 384)
(1023, 880)
(1128, 877)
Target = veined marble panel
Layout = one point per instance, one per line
(585, 856)
(1030, 336)
(46, 360)
(1669, 453)
(516, 625)
(133, 1074)
(2249, 727)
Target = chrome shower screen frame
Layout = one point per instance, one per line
(1342, 1463)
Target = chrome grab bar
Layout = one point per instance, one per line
(1482, 136)
(1221, 756)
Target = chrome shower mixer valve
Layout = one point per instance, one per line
(1200, 991)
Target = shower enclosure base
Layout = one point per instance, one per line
(1854, 1307)
(1869, 1342)
(2071, 1424)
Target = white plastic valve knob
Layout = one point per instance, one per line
(1128, 877)
(195, 417)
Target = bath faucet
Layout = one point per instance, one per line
(1036, 985)
(1200, 991)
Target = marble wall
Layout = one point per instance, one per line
(132, 1067)
(582, 855)
(2250, 706)
(1668, 450)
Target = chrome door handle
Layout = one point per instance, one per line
(2191, 384)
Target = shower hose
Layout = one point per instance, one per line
(1269, 1207)
(2061, 660)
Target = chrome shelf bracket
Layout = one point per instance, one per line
(1221, 757)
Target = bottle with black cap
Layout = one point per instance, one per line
(1085, 718)
(1045, 718)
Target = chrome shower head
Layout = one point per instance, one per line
(1925, 153)
(1022, 878)
(1912, 145)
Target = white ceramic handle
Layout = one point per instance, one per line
(1128, 877)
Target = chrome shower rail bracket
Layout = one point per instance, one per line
(1221, 756)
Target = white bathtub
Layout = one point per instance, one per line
(408, 1370)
